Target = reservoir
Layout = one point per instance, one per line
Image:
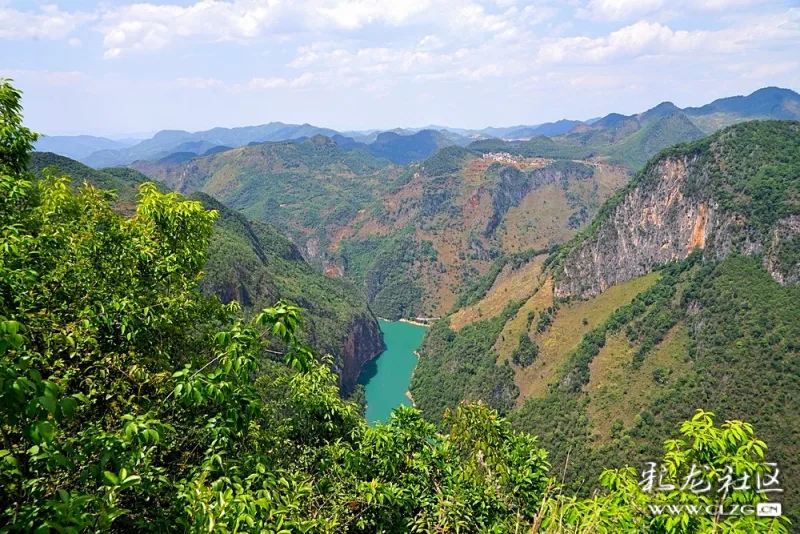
(387, 377)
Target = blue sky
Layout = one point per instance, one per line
(114, 67)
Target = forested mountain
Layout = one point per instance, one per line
(124, 181)
(255, 264)
(131, 402)
(310, 190)
(419, 250)
(682, 292)
(412, 237)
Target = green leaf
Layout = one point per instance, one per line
(46, 430)
(48, 403)
(111, 478)
(68, 405)
(131, 481)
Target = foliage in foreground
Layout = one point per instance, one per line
(129, 402)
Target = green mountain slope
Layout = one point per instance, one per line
(660, 132)
(124, 181)
(309, 189)
(255, 264)
(683, 292)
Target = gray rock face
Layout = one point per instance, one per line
(362, 343)
(780, 263)
(513, 185)
(661, 220)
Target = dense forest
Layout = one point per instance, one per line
(131, 402)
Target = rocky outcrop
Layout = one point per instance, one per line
(664, 216)
(513, 184)
(362, 343)
(783, 260)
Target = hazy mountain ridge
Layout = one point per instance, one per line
(77, 146)
(595, 137)
(167, 141)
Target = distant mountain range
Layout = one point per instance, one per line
(625, 139)
(79, 146)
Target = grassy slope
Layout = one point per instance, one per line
(510, 284)
(620, 391)
(566, 331)
(634, 150)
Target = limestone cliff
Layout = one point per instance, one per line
(362, 343)
(735, 191)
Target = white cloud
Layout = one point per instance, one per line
(281, 83)
(199, 83)
(758, 71)
(430, 42)
(146, 27)
(74, 42)
(631, 9)
(49, 22)
(620, 9)
(353, 14)
(149, 27)
(644, 39)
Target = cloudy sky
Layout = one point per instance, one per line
(113, 67)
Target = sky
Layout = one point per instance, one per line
(113, 67)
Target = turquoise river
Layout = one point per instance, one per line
(387, 377)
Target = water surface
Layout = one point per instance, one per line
(387, 377)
